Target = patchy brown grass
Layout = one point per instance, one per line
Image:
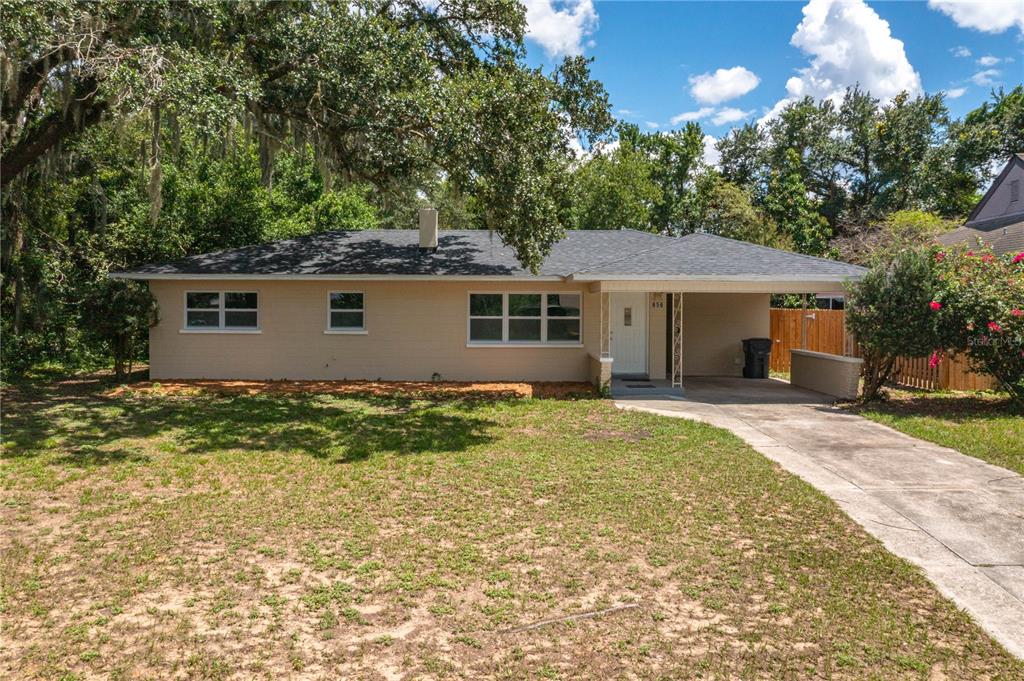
(393, 534)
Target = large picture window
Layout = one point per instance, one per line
(222, 310)
(525, 318)
(345, 311)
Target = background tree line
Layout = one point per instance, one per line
(145, 132)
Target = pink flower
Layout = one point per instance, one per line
(940, 256)
(935, 305)
(1017, 312)
(933, 361)
(987, 258)
(992, 326)
(1018, 258)
(970, 253)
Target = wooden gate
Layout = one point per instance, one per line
(826, 332)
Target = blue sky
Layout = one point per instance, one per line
(723, 63)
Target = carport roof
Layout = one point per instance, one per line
(585, 255)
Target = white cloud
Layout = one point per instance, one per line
(605, 148)
(849, 44)
(560, 27)
(989, 60)
(626, 112)
(652, 125)
(711, 155)
(986, 77)
(990, 16)
(956, 92)
(722, 85)
(776, 109)
(960, 51)
(730, 115)
(686, 116)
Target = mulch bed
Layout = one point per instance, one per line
(423, 388)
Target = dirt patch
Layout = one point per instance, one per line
(557, 390)
(603, 435)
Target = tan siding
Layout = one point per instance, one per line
(714, 325)
(414, 330)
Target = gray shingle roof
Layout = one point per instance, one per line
(706, 255)
(1001, 238)
(479, 253)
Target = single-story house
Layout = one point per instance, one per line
(998, 219)
(457, 305)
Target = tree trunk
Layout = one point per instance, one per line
(877, 372)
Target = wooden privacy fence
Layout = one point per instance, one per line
(952, 373)
(826, 332)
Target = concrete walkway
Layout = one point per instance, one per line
(958, 518)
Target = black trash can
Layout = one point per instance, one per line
(756, 352)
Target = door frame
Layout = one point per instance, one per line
(643, 328)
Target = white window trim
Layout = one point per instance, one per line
(346, 330)
(505, 342)
(221, 327)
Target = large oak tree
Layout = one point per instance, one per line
(385, 91)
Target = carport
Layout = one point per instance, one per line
(683, 309)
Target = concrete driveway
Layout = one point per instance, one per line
(958, 518)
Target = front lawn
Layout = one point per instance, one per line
(403, 535)
(977, 424)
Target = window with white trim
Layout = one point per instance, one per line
(525, 318)
(224, 310)
(345, 311)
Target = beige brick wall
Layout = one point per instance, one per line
(414, 329)
(830, 374)
(714, 326)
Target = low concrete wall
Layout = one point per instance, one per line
(830, 374)
(601, 371)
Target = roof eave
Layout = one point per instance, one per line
(178, 276)
(838, 278)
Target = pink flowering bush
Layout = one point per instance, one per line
(981, 298)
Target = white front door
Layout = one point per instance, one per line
(629, 333)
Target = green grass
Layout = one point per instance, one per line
(981, 425)
(329, 536)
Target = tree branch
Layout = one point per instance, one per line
(52, 130)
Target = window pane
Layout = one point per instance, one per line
(203, 319)
(202, 301)
(562, 330)
(485, 304)
(346, 320)
(485, 329)
(346, 301)
(524, 329)
(563, 305)
(524, 305)
(244, 301)
(240, 319)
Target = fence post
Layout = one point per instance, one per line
(803, 321)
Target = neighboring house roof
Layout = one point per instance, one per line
(582, 254)
(998, 219)
(1001, 238)
(1015, 162)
